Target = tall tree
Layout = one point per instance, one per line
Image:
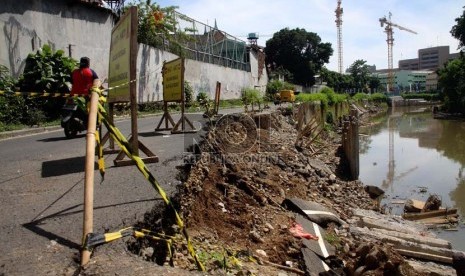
(339, 82)
(360, 73)
(300, 52)
(452, 83)
(452, 76)
(458, 30)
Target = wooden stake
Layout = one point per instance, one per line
(88, 222)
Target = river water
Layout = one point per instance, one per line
(410, 155)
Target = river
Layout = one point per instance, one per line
(410, 155)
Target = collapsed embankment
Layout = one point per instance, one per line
(232, 203)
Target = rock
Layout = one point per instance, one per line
(147, 252)
(374, 258)
(363, 250)
(432, 203)
(269, 226)
(389, 266)
(373, 191)
(261, 253)
(303, 172)
(359, 271)
(458, 263)
(256, 237)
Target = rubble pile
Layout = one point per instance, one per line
(233, 205)
(236, 201)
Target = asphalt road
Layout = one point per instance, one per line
(42, 188)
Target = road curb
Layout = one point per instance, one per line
(27, 131)
(36, 130)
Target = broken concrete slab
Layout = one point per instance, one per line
(319, 166)
(372, 219)
(393, 236)
(430, 268)
(407, 248)
(321, 247)
(425, 256)
(313, 211)
(315, 252)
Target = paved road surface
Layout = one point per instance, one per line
(41, 194)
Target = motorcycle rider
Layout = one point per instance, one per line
(83, 78)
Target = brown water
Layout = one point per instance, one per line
(411, 155)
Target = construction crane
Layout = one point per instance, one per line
(339, 12)
(390, 41)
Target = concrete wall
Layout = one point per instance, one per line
(201, 76)
(26, 25)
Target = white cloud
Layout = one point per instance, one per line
(363, 37)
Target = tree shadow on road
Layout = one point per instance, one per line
(54, 139)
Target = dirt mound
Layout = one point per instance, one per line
(232, 198)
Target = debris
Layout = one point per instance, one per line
(313, 211)
(413, 205)
(396, 237)
(430, 214)
(298, 232)
(423, 189)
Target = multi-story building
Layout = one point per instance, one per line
(431, 82)
(428, 59)
(409, 64)
(405, 80)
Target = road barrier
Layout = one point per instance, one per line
(92, 239)
(125, 146)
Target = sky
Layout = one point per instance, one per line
(363, 37)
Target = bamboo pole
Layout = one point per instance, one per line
(89, 175)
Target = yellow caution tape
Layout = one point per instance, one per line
(92, 239)
(126, 148)
(37, 94)
(101, 161)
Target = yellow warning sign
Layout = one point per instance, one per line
(173, 78)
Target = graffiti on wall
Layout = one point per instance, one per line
(20, 41)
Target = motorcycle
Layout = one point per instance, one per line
(74, 119)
